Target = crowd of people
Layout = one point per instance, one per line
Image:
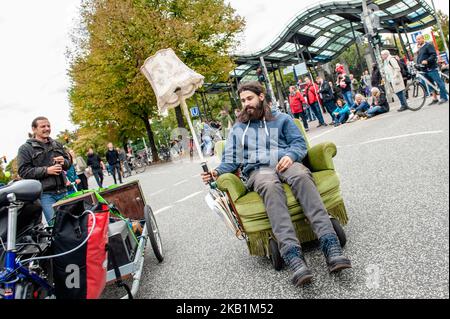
(348, 99)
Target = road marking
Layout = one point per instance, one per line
(181, 182)
(190, 196)
(321, 134)
(394, 137)
(160, 191)
(162, 209)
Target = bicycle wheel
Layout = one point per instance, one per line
(415, 95)
(139, 166)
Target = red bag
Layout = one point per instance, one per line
(82, 273)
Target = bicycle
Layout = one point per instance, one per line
(27, 271)
(416, 91)
(138, 164)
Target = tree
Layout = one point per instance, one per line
(444, 24)
(108, 90)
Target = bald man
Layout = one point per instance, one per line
(427, 57)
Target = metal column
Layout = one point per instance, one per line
(266, 75)
(357, 48)
(403, 45)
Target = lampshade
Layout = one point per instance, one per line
(167, 73)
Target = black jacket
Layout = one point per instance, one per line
(112, 157)
(326, 91)
(33, 159)
(428, 53)
(376, 78)
(93, 160)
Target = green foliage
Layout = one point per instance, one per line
(444, 24)
(109, 95)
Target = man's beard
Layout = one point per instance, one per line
(257, 112)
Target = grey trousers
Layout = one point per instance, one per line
(268, 184)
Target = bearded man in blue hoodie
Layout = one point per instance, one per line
(269, 149)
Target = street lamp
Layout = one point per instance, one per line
(173, 82)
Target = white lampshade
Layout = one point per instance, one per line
(166, 72)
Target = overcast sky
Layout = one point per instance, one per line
(34, 38)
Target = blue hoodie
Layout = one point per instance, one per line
(262, 143)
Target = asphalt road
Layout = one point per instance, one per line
(394, 172)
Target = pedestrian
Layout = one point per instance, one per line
(44, 159)
(366, 82)
(312, 98)
(226, 122)
(266, 175)
(376, 78)
(237, 111)
(394, 78)
(406, 75)
(341, 113)
(354, 85)
(327, 96)
(80, 168)
(124, 167)
(344, 83)
(72, 178)
(296, 102)
(112, 157)
(427, 58)
(379, 105)
(97, 166)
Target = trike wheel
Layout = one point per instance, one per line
(339, 231)
(275, 257)
(153, 233)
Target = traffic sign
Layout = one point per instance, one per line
(195, 111)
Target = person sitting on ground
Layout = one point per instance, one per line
(358, 109)
(267, 166)
(379, 105)
(341, 113)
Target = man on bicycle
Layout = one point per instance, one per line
(427, 57)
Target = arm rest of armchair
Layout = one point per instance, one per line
(233, 184)
(320, 156)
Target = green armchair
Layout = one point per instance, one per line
(250, 207)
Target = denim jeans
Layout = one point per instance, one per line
(402, 98)
(47, 200)
(375, 111)
(330, 107)
(433, 75)
(309, 114)
(342, 118)
(208, 145)
(348, 97)
(315, 107)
